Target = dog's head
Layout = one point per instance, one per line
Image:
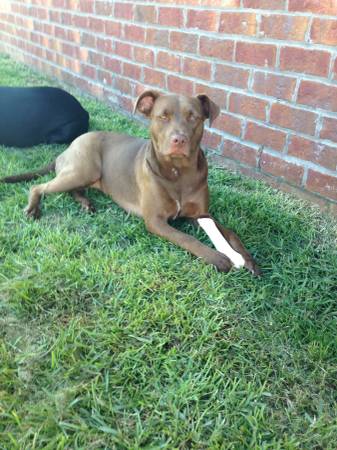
(177, 122)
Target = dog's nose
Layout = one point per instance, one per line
(179, 139)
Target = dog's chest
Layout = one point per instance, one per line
(186, 193)
(185, 203)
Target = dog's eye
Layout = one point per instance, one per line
(191, 117)
(164, 118)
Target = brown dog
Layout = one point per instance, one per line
(158, 179)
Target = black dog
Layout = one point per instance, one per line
(40, 115)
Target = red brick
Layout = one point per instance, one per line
(79, 21)
(318, 95)
(265, 4)
(280, 168)
(265, 136)
(60, 32)
(123, 85)
(74, 36)
(112, 64)
(210, 140)
(238, 23)
(313, 62)
(239, 152)
(159, 38)
(38, 26)
(104, 44)
(169, 61)
(145, 13)
(143, 55)
(216, 48)
(196, 68)
(131, 71)
(219, 96)
(274, 85)
(171, 17)
(35, 50)
(124, 49)
(183, 42)
(88, 71)
(293, 118)
(154, 77)
(248, 106)
(48, 28)
(324, 31)
(72, 4)
(41, 14)
(80, 5)
(124, 11)
(73, 65)
(315, 152)
(229, 124)
(96, 59)
(329, 129)
(203, 20)
(68, 49)
(86, 6)
(314, 6)
(104, 8)
(59, 3)
(45, 44)
(113, 28)
(179, 85)
(96, 24)
(290, 28)
(134, 33)
(232, 76)
(323, 184)
(256, 54)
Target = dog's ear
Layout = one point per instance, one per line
(145, 102)
(210, 109)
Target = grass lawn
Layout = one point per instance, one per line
(111, 338)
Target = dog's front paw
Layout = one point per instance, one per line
(251, 265)
(33, 212)
(221, 262)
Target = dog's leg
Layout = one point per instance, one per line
(161, 228)
(61, 183)
(228, 243)
(78, 195)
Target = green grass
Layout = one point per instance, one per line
(111, 338)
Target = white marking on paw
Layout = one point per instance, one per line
(219, 241)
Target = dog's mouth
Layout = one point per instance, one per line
(178, 152)
(175, 155)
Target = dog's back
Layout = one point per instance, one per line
(35, 115)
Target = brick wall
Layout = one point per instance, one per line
(270, 64)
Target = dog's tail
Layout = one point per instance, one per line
(29, 175)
